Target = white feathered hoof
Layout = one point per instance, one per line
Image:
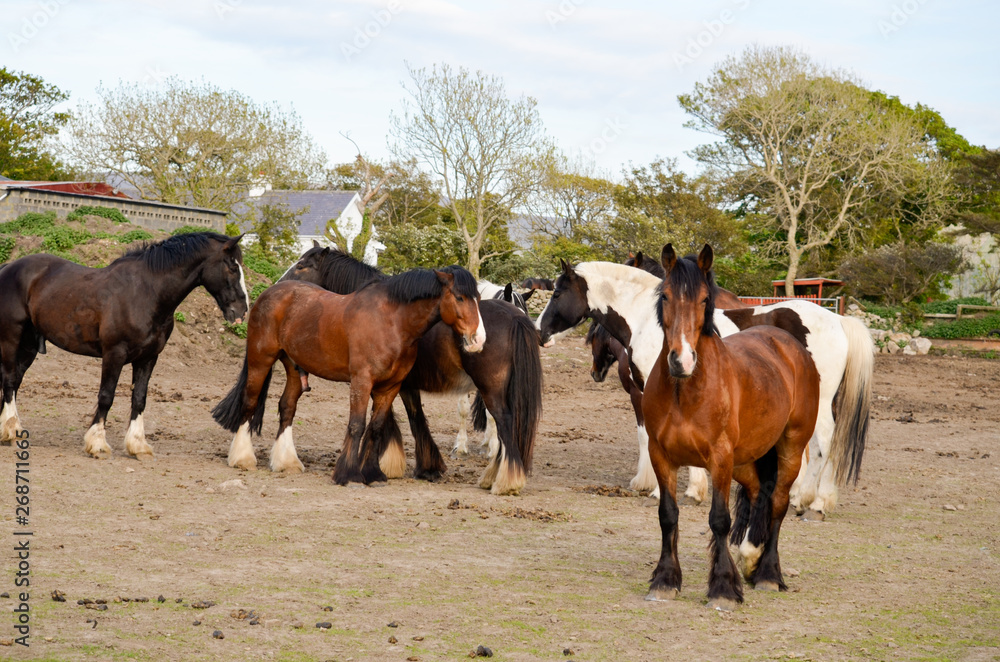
(241, 455)
(95, 442)
(135, 439)
(489, 475)
(509, 479)
(10, 423)
(393, 461)
(283, 455)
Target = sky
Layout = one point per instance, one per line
(606, 75)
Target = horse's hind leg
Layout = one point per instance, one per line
(283, 455)
(788, 459)
(392, 457)
(135, 436)
(95, 440)
(16, 357)
(462, 438)
(374, 441)
(430, 465)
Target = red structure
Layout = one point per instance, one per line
(78, 188)
(810, 289)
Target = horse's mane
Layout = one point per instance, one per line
(597, 331)
(685, 278)
(417, 284)
(174, 251)
(651, 266)
(343, 274)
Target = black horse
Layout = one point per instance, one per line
(507, 373)
(123, 313)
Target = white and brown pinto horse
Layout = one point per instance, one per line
(617, 296)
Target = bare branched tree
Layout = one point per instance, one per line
(485, 147)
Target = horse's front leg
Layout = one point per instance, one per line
(135, 436)
(283, 455)
(348, 467)
(95, 440)
(725, 587)
(665, 583)
(462, 438)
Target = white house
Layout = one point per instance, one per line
(315, 208)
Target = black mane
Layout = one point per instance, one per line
(417, 284)
(651, 266)
(174, 251)
(686, 278)
(597, 331)
(343, 274)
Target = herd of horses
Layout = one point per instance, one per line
(774, 397)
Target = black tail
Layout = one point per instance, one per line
(479, 413)
(524, 386)
(229, 412)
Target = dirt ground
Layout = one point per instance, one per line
(905, 568)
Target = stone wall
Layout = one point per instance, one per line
(151, 215)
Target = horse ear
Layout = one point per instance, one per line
(315, 244)
(232, 243)
(639, 257)
(508, 292)
(444, 277)
(564, 265)
(325, 251)
(668, 258)
(527, 295)
(631, 254)
(705, 259)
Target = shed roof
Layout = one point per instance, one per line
(322, 206)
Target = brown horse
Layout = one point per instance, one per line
(368, 338)
(743, 407)
(123, 313)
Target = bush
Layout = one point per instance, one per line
(30, 223)
(410, 247)
(188, 229)
(912, 316)
(898, 273)
(6, 248)
(254, 259)
(109, 213)
(238, 330)
(133, 236)
(964, 328)
(950, 307)
(257, 290)
(179, 317)
(63, 238)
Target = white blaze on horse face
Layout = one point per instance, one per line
(241, 449)
(687, 356)
(243, 284)
(476, 345)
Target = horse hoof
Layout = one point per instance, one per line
(813, 516)
(661, 594)
(650, 502)
(429, 476)
(767, 586)
(688, 500)
(722, 604)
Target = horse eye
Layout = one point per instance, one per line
(664, 298)
(555, 295)
(459, 298)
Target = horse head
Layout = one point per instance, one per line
(686, 307)
(308, 267)
(222, 276)
(460, 307)
(604, 358)
(567, 307)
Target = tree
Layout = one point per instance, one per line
(898, 273)
(27, 119)
(277, 230)
(807, 147)
(979, 174)
(191, 143)
(570, 200)
(485, 148)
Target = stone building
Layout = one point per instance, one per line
(18, 197)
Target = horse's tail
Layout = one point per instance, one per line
(853, 405)
(229, 412)
(478, 413)
(524, 386)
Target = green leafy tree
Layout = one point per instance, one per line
(901, 272)
(812, 152)
(192, 143)
(277, 231)
(27, 119)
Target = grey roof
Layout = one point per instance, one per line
(5, 179)
(323, 205)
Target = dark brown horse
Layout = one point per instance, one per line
(123, 313)
(507, 373)
(368, 338)
(742, 407)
